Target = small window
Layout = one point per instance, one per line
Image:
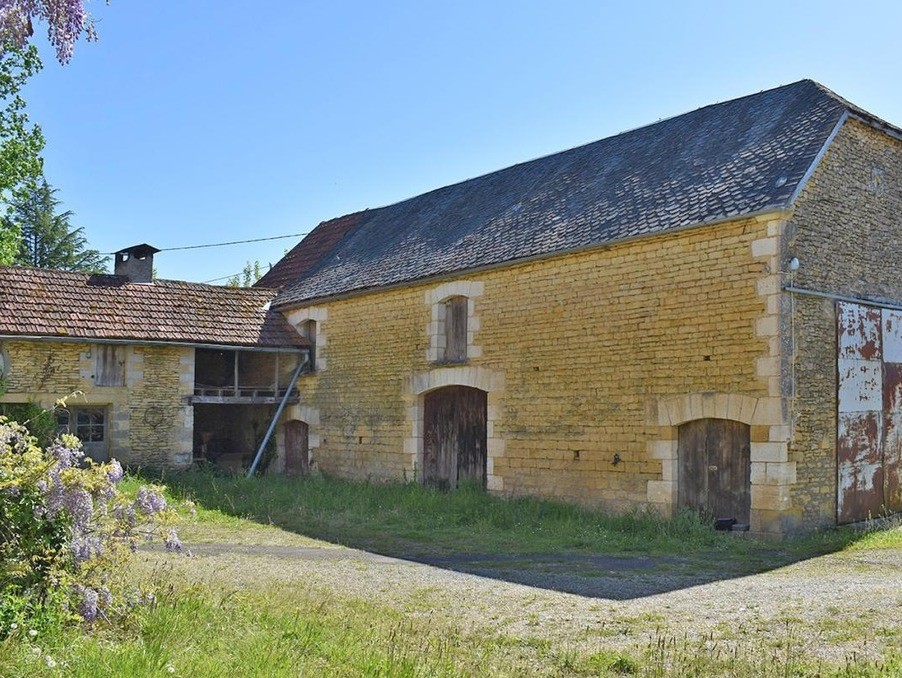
(109, 365)
(456, 329)
(88, 424)
(307, 329)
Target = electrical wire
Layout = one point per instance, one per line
(224, 244)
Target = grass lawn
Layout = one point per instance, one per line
(261, 625)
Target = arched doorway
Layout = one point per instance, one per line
(297, 448)
(715, 468)
(454, 437)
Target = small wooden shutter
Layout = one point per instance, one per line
(109, 365)
(456, 329)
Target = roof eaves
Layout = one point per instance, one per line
(69, 338)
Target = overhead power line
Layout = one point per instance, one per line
(223, 244)
(225, 277)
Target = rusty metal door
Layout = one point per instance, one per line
(715, 468)
(296, 448)
(869, 411)
(454, 437)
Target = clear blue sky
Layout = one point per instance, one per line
(197, 121)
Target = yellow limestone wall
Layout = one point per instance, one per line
(150, 423)
(590, 360)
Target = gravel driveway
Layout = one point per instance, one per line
(844, 603)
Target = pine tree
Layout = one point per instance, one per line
(47, 238)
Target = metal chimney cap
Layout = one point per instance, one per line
(139, 251)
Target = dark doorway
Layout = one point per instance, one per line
(229, 435)
(715, 468)
(454, 437)
(297, 462)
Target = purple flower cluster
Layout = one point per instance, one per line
(13, 439)
(88, 607)
(84, 547)
(66, 21)
(114, 473)
(75, 501)
(65, 455)
(150, 501)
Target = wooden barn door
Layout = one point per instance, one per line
(715, 468)
(296, 448)
(454, 437)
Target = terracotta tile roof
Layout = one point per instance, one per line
(723, 161)
(35, 301)
(303, 256)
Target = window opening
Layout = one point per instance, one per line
(86, 424)
(456, 329)
(109, 365)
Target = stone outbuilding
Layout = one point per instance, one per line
(153, 372)
(705, 312)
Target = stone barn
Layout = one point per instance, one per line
(705, 312)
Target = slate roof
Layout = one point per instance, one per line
(736, 158)
(35, 301)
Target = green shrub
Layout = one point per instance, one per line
(64, 527)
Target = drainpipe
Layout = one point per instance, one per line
(272, 424)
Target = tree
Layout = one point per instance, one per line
(247, 277)
(67, 21)
(47, 238)
(20, 143)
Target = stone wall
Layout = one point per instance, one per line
(846, 232)
(590, 361)
(149, 423)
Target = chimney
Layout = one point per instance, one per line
(136, 263)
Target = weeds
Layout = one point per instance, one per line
(419, 521)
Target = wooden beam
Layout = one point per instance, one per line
(239, 400)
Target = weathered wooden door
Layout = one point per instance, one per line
(297, 448)
(715, 468)
(454, 437)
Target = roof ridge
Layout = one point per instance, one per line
(723, 160)
(630, 130)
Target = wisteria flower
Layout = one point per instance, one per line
(114, 472)
(150, 501)
(88, 606)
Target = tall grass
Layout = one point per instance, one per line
(198, 631)
(420, 521)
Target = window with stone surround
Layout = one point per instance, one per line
(109, 365)
(310, 323)
(453, 322)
